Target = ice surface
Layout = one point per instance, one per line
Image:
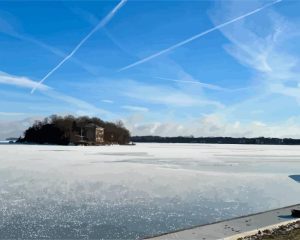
(127, 192)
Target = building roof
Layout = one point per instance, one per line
(92, 125)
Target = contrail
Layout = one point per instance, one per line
(101, 24)
(45, 46)
(197, 36)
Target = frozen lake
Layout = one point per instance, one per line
(126, 192)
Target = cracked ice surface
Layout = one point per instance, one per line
(127, 192)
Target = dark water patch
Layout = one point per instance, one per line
(286, 217)
(295, 178)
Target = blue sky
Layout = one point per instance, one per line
(239, 79)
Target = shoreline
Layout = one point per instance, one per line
(270, 228)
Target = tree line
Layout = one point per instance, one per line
(62, 130)
(220, 140)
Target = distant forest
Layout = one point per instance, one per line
(61, 130)
(216, 140)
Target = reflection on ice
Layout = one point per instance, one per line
(59, 192)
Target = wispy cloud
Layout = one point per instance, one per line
(254, 50)
(82, 106)
(204, 85)
(23, 82)
(135, 108)
(101, 24)
(11, 113)
(107, 101)
(285, 90)
(198, 36)
(274, 63)
(7, 29)
(164, 95)
(265, 52)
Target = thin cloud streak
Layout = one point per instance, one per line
(93, 20)
(53, 50)
(11, 114)
(107, 101)
(23, 82)
(163, 95)
(101, 24)
(197, 36)
(83, 106)
(205, 85)
(10, 31)
(135, 108)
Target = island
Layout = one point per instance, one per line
(70, 130)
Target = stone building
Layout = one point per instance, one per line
(90, 134)
(94, 134)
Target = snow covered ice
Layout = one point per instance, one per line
(128, 192)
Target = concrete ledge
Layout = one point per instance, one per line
(234, 228)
